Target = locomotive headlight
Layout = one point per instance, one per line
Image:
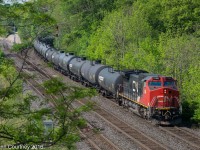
(165, 91)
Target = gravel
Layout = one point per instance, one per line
(109, 132)
(195, 131)
(82, 146)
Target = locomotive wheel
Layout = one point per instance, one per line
(104, 93)
(86, 85)
(141, 111)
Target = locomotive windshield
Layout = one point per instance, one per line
(155, 83)
(169, 83)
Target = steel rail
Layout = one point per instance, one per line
(183, 135)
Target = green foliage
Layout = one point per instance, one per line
(54, 86)
(191, 91)
(22, 122)
(9, 74)
(21, 47)
(119, 39)
(1, 54)
(181, 17)
(81, 93)
(72, 138)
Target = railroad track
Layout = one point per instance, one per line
(97, 141)
(133, 134)
(183, 135)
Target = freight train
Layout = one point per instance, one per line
(152, 96)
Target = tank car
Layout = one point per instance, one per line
(94, 73)
(64, 62)
(109, 80)
(55, 59)
(40, 47)
(85, 72)
(49, 53)
(75, 66)
(36, 45)
(90, 71)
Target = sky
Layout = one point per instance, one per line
(11, 1)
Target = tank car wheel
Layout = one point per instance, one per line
(103, 93)
(120, 102)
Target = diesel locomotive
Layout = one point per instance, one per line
(152, 96)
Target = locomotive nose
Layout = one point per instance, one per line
(167, 91)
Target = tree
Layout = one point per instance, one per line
(20, 122)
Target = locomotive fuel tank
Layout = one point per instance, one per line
(110, 80)
(64, 61)
(75, 66)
